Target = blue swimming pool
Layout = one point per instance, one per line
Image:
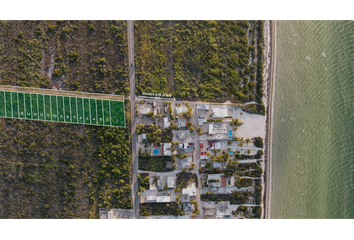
(155, 151)
(230, 132)
(231, 152)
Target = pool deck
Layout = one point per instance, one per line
(158, 148)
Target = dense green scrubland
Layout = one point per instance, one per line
(57, 170)
(207, 60)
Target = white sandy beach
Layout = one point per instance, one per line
(269, 76)
(253, 124)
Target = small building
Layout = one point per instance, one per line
(185, 198)
(144, 110)
(201, 121)
(159, 184)
(158, 110)
(182, 123)
(219, 128)
(190, 191)
(221, 111)
(171, 183)
(204, 156)
(151, 198)
(202, 106)
(211, 128)
(143, 137)
(166, 149)
(188, 208)
(187, 147)
(214, 145)
(166, 123)
(163, 199)
(217, 165)
(181, 109)
(140, 138)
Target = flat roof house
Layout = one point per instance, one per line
(171, 183)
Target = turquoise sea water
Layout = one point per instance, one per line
(313, 141)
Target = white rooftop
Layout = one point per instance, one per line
(203, 106)
(143, 135)
(217, 164)
(201, 121)
(220, 111)
(151, 197)
(144, 110)
(214, 176)
(163, 199)
(189, 191)
(166, 123)
(211, 128)
(171, 182)
(181, 109)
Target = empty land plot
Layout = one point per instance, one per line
(67, 109)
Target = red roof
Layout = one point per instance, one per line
(201, 145)
(223, 181)
(211, 144)
(154, 144)
(190, 144)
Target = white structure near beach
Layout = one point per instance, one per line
(171, 183)
(221, 111)
(181, 109)
(166, 123)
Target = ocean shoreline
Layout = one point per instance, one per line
(270, 78)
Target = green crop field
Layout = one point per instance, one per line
(55, 108)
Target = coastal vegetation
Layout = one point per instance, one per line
(235, 197)
(65, 54)
(236, 122)
(59, 170)
(172, 208)
(154, 134)
(251, 212)
(183, 179)
(154, 163)
(143, 181)
(243, 182)
(258, 142)
(200, 60)
(254, 108)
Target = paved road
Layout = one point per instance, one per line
(133, 123)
